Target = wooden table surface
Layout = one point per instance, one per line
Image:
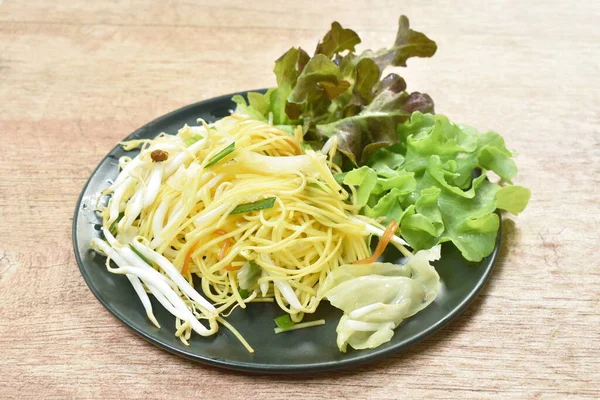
(77, 76)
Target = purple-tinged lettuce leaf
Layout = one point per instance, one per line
(289, 66)
(375, 126)
(308, 96)
(337, 92)
(337, 40)
(367, 76)
(392, 82)
(287, 69)
(333, 90)
(408, 44)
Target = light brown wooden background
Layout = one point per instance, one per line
(77, 76)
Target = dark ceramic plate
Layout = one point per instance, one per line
(312, 349)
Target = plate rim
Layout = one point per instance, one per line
(241, 366)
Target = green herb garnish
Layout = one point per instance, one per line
(284, 321)
(140, 255)
(113, 226)
(254, 206)
(244, 293)
(226, 151)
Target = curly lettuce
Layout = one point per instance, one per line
(339, 92)
(434, 183)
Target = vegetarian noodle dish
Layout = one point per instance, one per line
(294, 197)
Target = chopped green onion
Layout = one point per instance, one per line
(192, 139)
(284, 321)
(301, 326)
(113, 227)
(254, 206)
(140, 255)
(244, 293)
(263, 300)
(226, 151)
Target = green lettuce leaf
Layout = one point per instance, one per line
(434, 181)
(468, 219)
(494, 155)
(309, 96)
(389, 205)
(424, 222)
(403, 181)
(364, 179)
(253, 111)
(426, 135)
(273, 103)
(513, 199)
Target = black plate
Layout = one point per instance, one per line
(312, 349)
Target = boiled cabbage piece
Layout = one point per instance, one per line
(376, 298)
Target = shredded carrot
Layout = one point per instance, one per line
(188, 258)
(226, 244)
(222, 253)
(224, 249)
(384, 240)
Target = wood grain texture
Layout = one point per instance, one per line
(77, 76)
